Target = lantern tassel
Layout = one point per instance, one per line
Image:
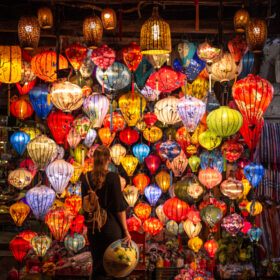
(196, 15)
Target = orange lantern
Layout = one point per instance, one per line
(21, 108)
(114, 121)
(141, 181)
(163, 180)
(211, 246)
(27, 235)
(152, 134)
(106, 136)
(76, 54)
(178, 164)
(88, 165)
(73, 203)
(19, 211)
(109, 19)
(210, 177)
(143, 211)
(241, 19)
(153, 226)
(132, 56)
(175, 209)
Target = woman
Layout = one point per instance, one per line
(107, 187)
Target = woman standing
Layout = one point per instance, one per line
(106, 185)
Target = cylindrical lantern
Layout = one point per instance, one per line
(109, 19)
(153, 226)
(92, 31)
(40, 244)
(143, 211)
(163, 180)
(28, 32)
(19, 248)
(74, 242)
(45, 17)
(19, 211)
(131, 194)
(152, 193)
(129, 164)
(241, 19)
(20, 178)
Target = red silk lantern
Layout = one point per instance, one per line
(118, 122)
(76, 54)
(237, 47)
(210, 177)
(129, 136)
(26, 87)
(106, 136)
(103, 57)
(19, 248)
(21, 108)
(73, 203)
(77, 224)
(143, 211)
(153, 163)
(132, 56)
(211, 247)
(133, 224)
(59, 124)
(194, 216)
(232, 150)
(141, 181)
(150, 119)
(29, 165)
(27, 235)
(153, 226)
(176, 209)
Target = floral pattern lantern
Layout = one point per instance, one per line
(210, 177)
(153, 226)
(19, 141)
(163, 180)
(192, 229)
(142, 211)
(153, 163)
(211, 215)
(106, 136)
(20, 178)
(175, 209)
(131, 194)
(117, 152)
(77, 224)
(141, 151)
(132, 56)
(41, 244)
(178, 164)
(152, 193)
(198, 88)
(141, 181)
(74, 242)
(169, 150)
(76, 54)
(149, 93)
(19, 248)
(19, 211)
(232, 150)
(129, 164)
(232, 223)
(103, 57)
(82, 125)
(21, 108)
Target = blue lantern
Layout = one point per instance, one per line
(255, 234)
(40, 199)
(39, 99)
(143, 72)
(247, 64)
(152, 193)
(141, 151)
(74, 242)
(169, 149)
(254, 173)
(186, 51)
(19, 141)
(213, 159)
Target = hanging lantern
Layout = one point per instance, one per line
(28, 78)
(19, 141)
(231, 188)
(109, 19)
(191, 110)
(29, 165)
(194, 162)
(153, 226)
(209, 140)
(141, 181)
(10, 69)
(247, 64)
(211, 247)
(166, 110)
(133, 224)
(41, 244)
(152, 134)
(79, 153)
(232, 223)
(114, 121)
(132, 106)
(103, 57)
(21, 108)
(149, 93)
(191, 229)
(77, 224)
(106, 136)
(92, 31)
(237, 47)
(90, 137)
(74, 242)
(28, 32)
(27, 235)
(213, 159)
(40, 199)
(19, 211)
(186, 51)
(198, 88)
(150, 119)
(142, 211)
(211, 215)
(178, 164)
(45, 17)
(155, 36)
(256, 34)
(44, 65)
(76, 53)
(20, 178)
(129, 164)
(175, 209)
(195, 244)
(152, 162)
(141, 151)
(131, 194)
(194, 216)
(31, 131)
(255, 234)
(163, 180)
(38, 97)
(172, 228)
(82, 125)
(254, 208)
(160, 214)
(73, 138)
(183, 137)
(241, 19)
(132, 56)
(96, 107)
(78, 169)
(254, 173)
(152, 193)
(19, 248)
(232, 150)
(210, 177)
(73, 203)
(169, 150)
(117, 152)
(129, 136)
(208, 53)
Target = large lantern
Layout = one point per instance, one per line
(141, 181)
(198, 88)
(19, 211)
(44, 65)
(191, 110)
(143, 211)
(129, 136)
(153, 163)
(40, 199)
(117, 152)
(20, 178)
(129, 164)
(106, 136)
(166, 110)
(19, 248)
(192, 229)
(109, 19)
(155, 36)
(152, 134)
(141, 151)
(74, 242)
(92, 31)
(241, 19)
(59, 221)
(45, 17)
(19, 141)
(163, 179)
(59, 173)
(175, 209)
(132, 106)
(131, 194)
(152, 193)
(28, 32)
(153, 226)
(210, 177)
(211, 215)
(66, 96)
(21, 108)
(178, 164)
(41, 244)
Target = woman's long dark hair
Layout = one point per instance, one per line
(101, 157)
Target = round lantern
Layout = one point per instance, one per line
(20, 178)
(129, 136)
(41, 244)
(232, 150)
(21, 108)
(149, 93)
(38, 97)
(59, 220)
(66, 96)
(142, 211)
(19, 141)
(131, 194)
(192, 229)
(232, 223)
(211, 215)
(210, 177)
(241, 19)
(92, 31)
(96, 107)
(194, 162)
(256, 34)
(28, 32)
(132, 106)
(19, 211)
(109, 19)
(28, 78)
(133, 224)
(129, 164)
(103, 57)
(194, 216)
(106, 136)
(152, 193)
(209, 140)
(27, 235)
(117, 152)
(231, 188)
(213, 159)
(40, 199)
(141, 181)
(175, 209)
(163, 180)
(141, 151)
(178, 164)
(45, 17)
(198, 88)
(150, 119)
(191, 110)
(152, 162)
(153, 226)
(195, 244)
(208, 53)
(169, 150)
(166, 110)
(44, 65)
(11, 57)
(152, 134)
(254, 173)
(254, 208)
(73, 138)
(211, 247)
(160, 214)
(114, 121)
(74, 242)
(19, 248)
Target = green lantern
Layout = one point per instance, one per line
(194, 162)
(224, 121)
(79, 153)
(211, 215)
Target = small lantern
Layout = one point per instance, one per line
(77, 224)
(152, 134)
(152, 193)
(175, 209)
(40, 244)
(160, 214)
(79, 154)
(114, 121)
(192, 229)
(163, 180)
(109, 19)
(19, 248)
(29, 32)
(19, 141)
(92, 31)
(20, 178)
(194, 162)
(129, 164)
(153, 226)
(130, 194)
(232, 223)
(21, 108)
(133, 224)
(78, 169)
(117, 152)
(19, 211)
(195, 244)
(106, 136)
(74, 242)
(231, 188)
(211, 215)
(82, 125)
(73, 138)
(152, 162)
(142, 211)
(141, 181)
(27, 235)
(178, 165)
(129, 136)
(254, 208)
(241, 19)
(211, 246)
(45, 17)
(141, 151)
(210, 177)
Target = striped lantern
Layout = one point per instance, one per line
(153, 193)
(40, 244)
(74, 242)
(20, 178)
(131, 194)
(141, 151)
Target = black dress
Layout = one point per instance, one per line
(111, 199)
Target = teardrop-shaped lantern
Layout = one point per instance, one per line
(141, 181)
(192, 229)
(20, 178)
(19, 248)
(210, 177)
(152, 134)
(163, 180)
(19, 211)
(74, 242)
(169, 150)
(19, 141)
(129, 164)
(152, 162)
(41, 244)
(117, 152)
(73, 138)
(141, 151)
(152, 193)
(178, 165)
(130, 194)
(106, 136)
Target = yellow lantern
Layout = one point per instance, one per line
(254, 208)
(109, 19)
(224, 121)
(246, 188)
(129, 164)
(200, 128)
(45, 17)
(117, 152)
(241, 19)
(192, 229)
(20, 178)
(141, 125)
(209, 140)
(92, 31)
(198, 88)
(40, 244)
(80, 154)
(130, 194)
(163, 180)
(155, 36)
(194, 162)
(195, 244)
(132, 106)
(10, 67)
(33, 132)
(78, 169)
(19, 211)
(152, 134)
(106, 136)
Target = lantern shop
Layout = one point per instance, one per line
(140, 140)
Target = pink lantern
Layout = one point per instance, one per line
(178, 164)
(210, 177)
(103, 57)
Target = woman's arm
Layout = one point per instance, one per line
(122, 219)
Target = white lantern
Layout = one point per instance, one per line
(117, 152)
(20, 178)
(130, 194)
(191, 229)
(160, 214)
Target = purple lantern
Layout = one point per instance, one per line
(233, 223)
(153, 193)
